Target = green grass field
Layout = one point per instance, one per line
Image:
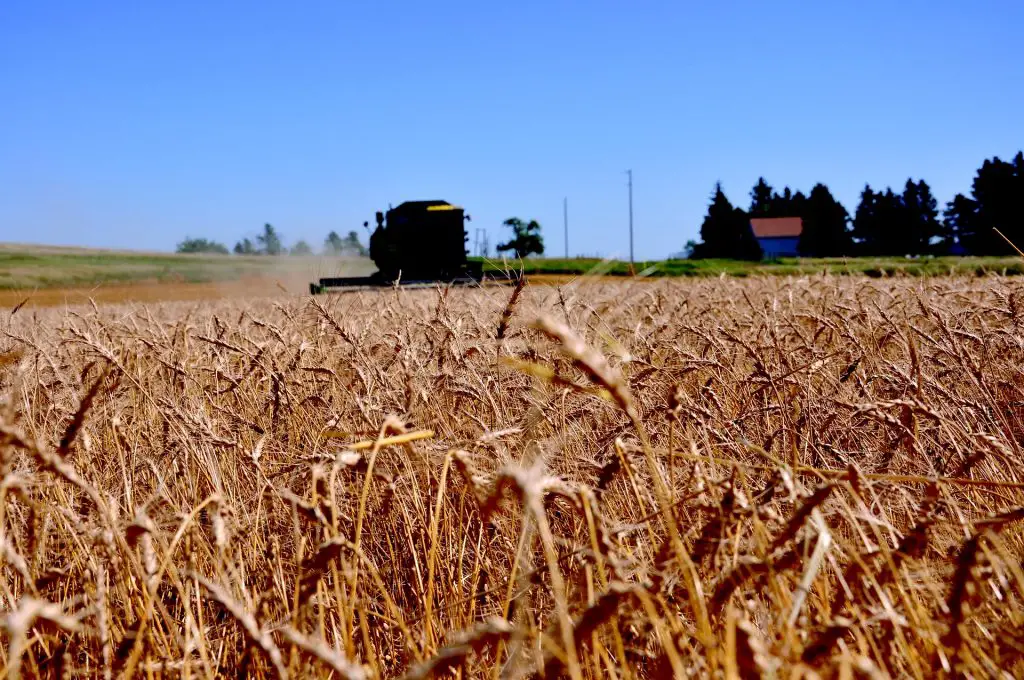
(40, 267)
(869, 266)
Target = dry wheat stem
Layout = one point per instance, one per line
(708, 478)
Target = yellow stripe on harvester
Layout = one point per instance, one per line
(443, 207)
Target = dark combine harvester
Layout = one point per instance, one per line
(417, 243)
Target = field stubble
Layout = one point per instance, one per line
(712, 478)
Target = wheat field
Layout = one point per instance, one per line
(728, 478)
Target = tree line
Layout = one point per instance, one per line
(885, 222)
(269, 242)
(526, 240)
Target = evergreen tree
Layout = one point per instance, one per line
(904, 234)
(891, 224)
(825, 225)
(960, 222)
(713, 230)
(890, 215)
(726, 232)
(996, 202)
(762, 199)
(796, 205)
(920, 225)
(865, 222)
(781, 205)
(875, 220)
(956, 218)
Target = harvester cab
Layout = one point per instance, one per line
(416, 243)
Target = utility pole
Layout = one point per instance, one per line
(630, 173)
(565, 221)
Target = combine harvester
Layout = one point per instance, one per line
(418, 244)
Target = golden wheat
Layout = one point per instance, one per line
(718, 478)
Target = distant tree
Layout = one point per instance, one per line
(782, 204)
(886, 226)
(201, 245)
(726, 232)
(245, 247)
(714, 228)
(866, 234)
(887, 223)
(336, 245)
(526, 238)
(333, 244)
(786, 204)
(301, 248)
(797, 205)
(270, 240)
(892, 224)
(891, 220)
(825, 224)
(960, 224)
(352, 244)
(766, 202)
(920, 229)
(762, 199)
(996, 202)
(874, 220)
(688, 249)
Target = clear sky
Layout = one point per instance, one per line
(136, 124)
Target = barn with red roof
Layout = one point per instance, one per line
(778, 236)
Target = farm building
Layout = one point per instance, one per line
(778, 236)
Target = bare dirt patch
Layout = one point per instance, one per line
(153, 292)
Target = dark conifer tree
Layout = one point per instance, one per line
(959, 222)
(726, 232)
(996, 202)
(762, 199)
(919, 227)
(867, 231)
(782, 204)
(825, 225)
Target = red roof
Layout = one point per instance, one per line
(776, 227)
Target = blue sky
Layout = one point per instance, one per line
(136, 124)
